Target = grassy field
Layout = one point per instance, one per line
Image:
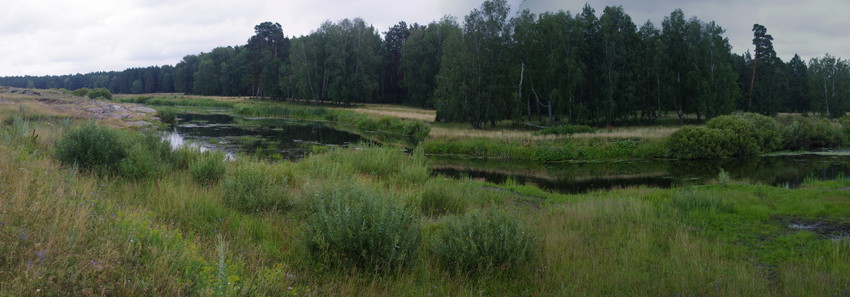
(270, 229)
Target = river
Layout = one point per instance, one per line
(292, 140)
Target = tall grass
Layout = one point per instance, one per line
(483, 243)
(547, 151)
(253, 186)
(67, 232)
(355, 229)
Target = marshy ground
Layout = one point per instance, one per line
(260, 228)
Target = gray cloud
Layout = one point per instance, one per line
(60, 37)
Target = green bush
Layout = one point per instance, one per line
(83, 92)
(100, 93)
(353, 228)
(255, 186)
(442, 196)
(699, 143)
(91, 147)
(748, 134)
(167, 115)
(566, 130)
(208, 168)
(804, 133)
(483, 243)
(768, 132)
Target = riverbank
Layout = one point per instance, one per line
(255, 229)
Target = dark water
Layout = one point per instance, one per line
(284, 139)
(785, 171)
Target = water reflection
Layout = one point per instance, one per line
(279, 138)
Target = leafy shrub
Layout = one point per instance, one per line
(353, 228)
(441, 196)
(699, 143)
(83, 92)
(208, 168)
(167, 115)
(91, 147)
(483, 242)
(100, 93)
(255, 186)
(768, 132)
(803, 133)
(566, 130)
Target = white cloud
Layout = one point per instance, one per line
(71, 36)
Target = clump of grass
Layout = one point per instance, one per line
(565, 130)
(413, 129)
(389, 163)
(351, 228)
(167, 115)
(208, 168)
(91, 147)
(146, 159)
(442, 196)
(479, 243)
(255, 186)
(690, 201)
(269, 110)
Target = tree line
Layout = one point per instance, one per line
(551, 67)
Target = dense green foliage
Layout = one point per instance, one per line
(167, 115)
(805, 133)
(91, 147)
(208, 168)
(749, 134)
(699, 143)
(479, 243)
(494, 64)
(351, 227)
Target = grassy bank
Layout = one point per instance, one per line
(263, 229)
(557, 150)
(379, 127)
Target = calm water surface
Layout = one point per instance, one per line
(292, 140)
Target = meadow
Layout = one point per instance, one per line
(374, 221)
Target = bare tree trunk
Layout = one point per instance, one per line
(519, 89)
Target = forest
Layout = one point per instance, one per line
(583, 68)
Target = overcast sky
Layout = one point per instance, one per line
(53, 37)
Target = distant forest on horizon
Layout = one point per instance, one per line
(486, 67)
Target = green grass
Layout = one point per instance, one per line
(177, 101)
(546, 151)
(66, 232)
